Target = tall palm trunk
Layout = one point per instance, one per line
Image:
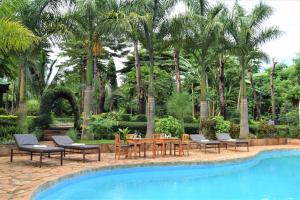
(139, 83)
(257, 113)
(151, 99)
(22, 111)
(203, 100)
(222, 86)
(102, 94)
(272, 89)
(193, 101)
(177, 70)
(244, 125)
(87, 106)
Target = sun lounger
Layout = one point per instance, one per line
(205, 143)
(225, 138)
(29, 143)
(67, 143)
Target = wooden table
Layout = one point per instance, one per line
(152, 141)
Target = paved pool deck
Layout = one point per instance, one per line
(18, 180)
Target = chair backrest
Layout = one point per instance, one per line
(25, 139)
(131, 136)
(117, 139)
(185, 138)
(156, 135)
(197, 137)
(62, 140)
(223, 136)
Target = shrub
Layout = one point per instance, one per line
(253, 129)
(38, 132)
(169, 125)
(222, 126)
(33, 107)
(294, 132)
(3, 111)
(179, 105)
(6, 133)
(102, 128)
(234, 130)
(266, 130)
(140, 118)
(8, 120)
(123, 133)
(135, 127)
(289, 114)
(73, 134)
(125, 117)
(188, 119)
(191, 128)
(208, 128)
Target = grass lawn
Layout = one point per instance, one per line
(96, 141)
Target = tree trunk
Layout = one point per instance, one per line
(87, 106)
(101, 95)
(272, 89)
(193, 101)
(151, 98)
(22, 109)
(222, 87)
(257, 113)
(139, 83)
(244, 124)
(177, 70)
(203, 101)
(95, 70)
(299, 110)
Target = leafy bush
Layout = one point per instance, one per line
(188, 119)
(123, 133)
(6, 133)
(3, 111)
(8, 120)
(294, 132)
(222, 126)
(125, 117)
(102, 128)
(289, 114)
(191, 128)
(208, 128)
(33, 107)
(73, 134)
(179, 105)
(234, 130)
(140, 118)
(38, 132)
(265, 130)
(169, 125)
(253, 129)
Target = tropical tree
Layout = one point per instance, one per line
(247, 34)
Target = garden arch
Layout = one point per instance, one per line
(47, 101)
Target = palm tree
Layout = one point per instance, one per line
(174, 34)
(247, 34)
(204, 28)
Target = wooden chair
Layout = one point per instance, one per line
(131, 136)
(158, 145)
(185, 144)
(120, 148)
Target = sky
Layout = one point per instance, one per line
(286, 15)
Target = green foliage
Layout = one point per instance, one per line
(33, 107)
(46, 104)
(73, 134)
(3, 111)
(188, 119)
(208, 128)
(125, 117)
(234, 130)
(38, 132)
(289, 114)
(140, 118)
(169, 125)
(179, 105)
(6, 133)
(265, 130)
(8, 120)
(123, 133)
(222, 126)
(102, 128)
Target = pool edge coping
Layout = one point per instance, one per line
(42, 187)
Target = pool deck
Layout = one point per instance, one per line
(19, 179)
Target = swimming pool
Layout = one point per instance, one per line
(270, 175)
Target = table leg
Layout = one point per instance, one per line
(135, 147)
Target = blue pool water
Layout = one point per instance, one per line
(270, 175)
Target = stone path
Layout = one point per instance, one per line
(19, 179)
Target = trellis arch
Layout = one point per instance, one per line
(47, 101)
